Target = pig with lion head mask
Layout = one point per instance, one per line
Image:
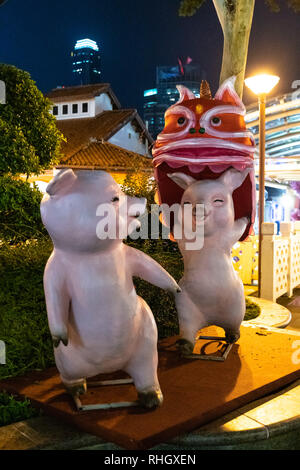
(205, 155)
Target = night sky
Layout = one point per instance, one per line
(136, 35)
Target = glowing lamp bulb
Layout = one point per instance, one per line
(262, 84)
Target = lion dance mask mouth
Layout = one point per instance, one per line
(203, 137)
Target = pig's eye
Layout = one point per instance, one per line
(218, 201)
(115, 199)
(181, 121)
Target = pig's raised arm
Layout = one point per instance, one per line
(239, 228)
(57, 302)
(145, 267)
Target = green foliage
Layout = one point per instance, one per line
(19, 210)
(12, 410)
(252, 310)
(139, 184)
(29, 138)
(275, 6)
(23, 317)
(189, 7)
(161, 302)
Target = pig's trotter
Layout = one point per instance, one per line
(77, 388)
(151, 399)
(57, 339)
(232, 336)
(185, 347)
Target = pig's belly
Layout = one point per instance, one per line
(217, 297)
(102, 335)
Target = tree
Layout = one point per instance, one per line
(235, 17)
(29, 143)
(29, 138)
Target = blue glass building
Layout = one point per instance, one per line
(86, 62)
(158, 99)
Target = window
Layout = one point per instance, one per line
(74, 108)
(65, 109)
(55, 110)
(85, 107)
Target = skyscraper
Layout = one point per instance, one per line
(86, 62)
(158, 99)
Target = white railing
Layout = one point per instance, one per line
(280, 257)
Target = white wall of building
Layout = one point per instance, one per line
(129, 139)
(80, 113)
(95, 106)
(103, 103)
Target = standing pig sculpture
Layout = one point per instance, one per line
(212, 292)
(97, 322)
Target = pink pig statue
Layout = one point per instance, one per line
(212, 292)
(97, 322)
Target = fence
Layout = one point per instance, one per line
(280, 260)
(245, 259)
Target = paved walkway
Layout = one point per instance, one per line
(294, 309)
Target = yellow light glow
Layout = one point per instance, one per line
(262, 84)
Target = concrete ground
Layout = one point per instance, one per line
(289, 302)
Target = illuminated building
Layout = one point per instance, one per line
(99, 133)
(165, 93)
(282, 152)
(86, 62)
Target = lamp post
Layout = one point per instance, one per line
(261, 85)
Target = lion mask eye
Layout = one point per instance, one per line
(216, 121)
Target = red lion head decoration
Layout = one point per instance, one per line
(203, 137)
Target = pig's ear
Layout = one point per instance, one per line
(183, 180)
(233, 178)
(61, 182)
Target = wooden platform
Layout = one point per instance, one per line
(195, 391)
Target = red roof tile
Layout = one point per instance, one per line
(81, 132)
(106, 156)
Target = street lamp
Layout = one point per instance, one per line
(261, 85)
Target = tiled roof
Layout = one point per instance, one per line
(106, 156)
(62, 94)
(81, 132)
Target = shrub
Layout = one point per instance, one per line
(23, 318)
(19, 210)
(12, 410)
(139, 184)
